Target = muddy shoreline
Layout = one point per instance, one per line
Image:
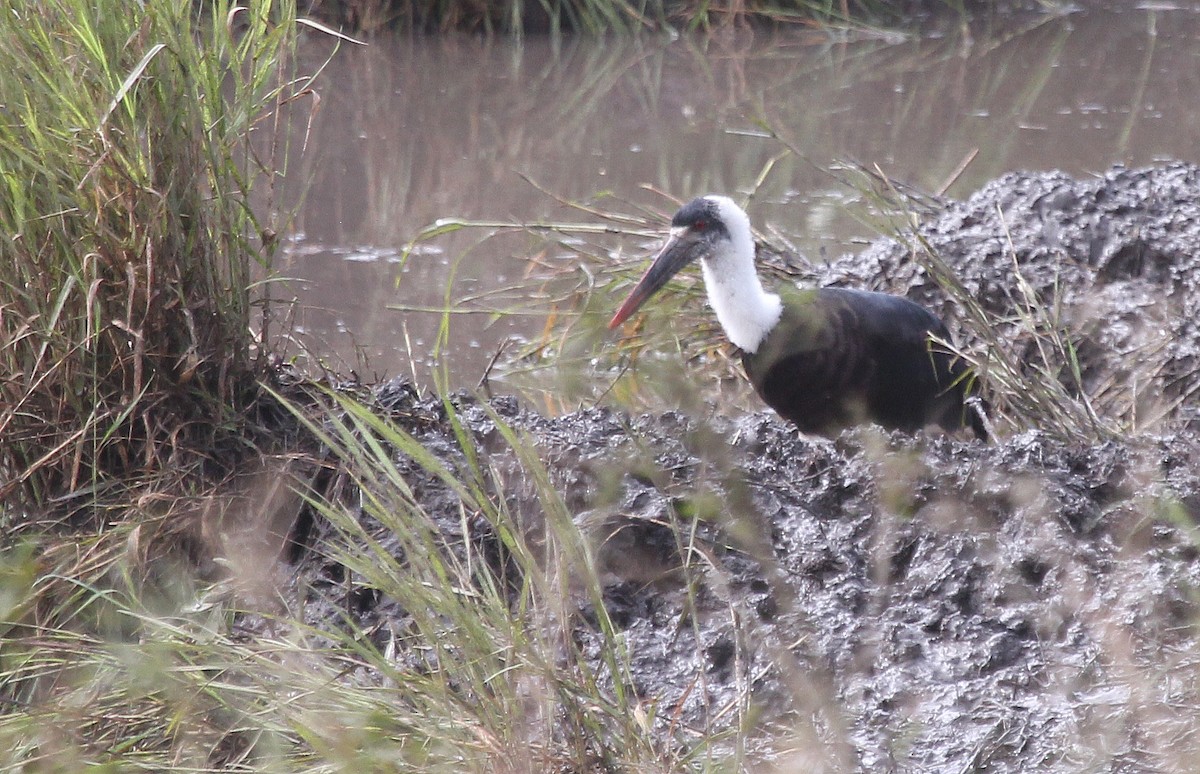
(884, 602)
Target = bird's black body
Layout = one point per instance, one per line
(826, 359)
(840, 357)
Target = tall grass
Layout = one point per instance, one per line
(465, 557)
(488, 602)
(128, 252)
(127, 243)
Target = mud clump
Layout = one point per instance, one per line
(904, 603)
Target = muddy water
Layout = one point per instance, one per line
(410, 130)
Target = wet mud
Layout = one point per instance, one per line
(887, 602)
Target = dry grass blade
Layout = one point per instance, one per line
(487, 675)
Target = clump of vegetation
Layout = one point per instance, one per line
(476, 659)
(127, 241)
(128, 364)
(470, 667)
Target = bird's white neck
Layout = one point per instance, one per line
(744, 309)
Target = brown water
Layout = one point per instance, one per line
(413, 130)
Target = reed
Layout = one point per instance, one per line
(128, 247)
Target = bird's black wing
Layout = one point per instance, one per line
(840, 357)
(920, 380)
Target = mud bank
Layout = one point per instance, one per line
(886, 602)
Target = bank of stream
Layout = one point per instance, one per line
(883, 601)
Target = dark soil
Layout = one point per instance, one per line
(925, 603)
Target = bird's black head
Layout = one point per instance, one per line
(699, 230)
(702, 216)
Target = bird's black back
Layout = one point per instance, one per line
(840, 357)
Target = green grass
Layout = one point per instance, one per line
(502, 685)
(128, 258)
(127, 242)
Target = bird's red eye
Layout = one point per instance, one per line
(700, 225)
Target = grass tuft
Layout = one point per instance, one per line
(486, 672)
(127, 243)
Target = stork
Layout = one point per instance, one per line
(823, 358)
